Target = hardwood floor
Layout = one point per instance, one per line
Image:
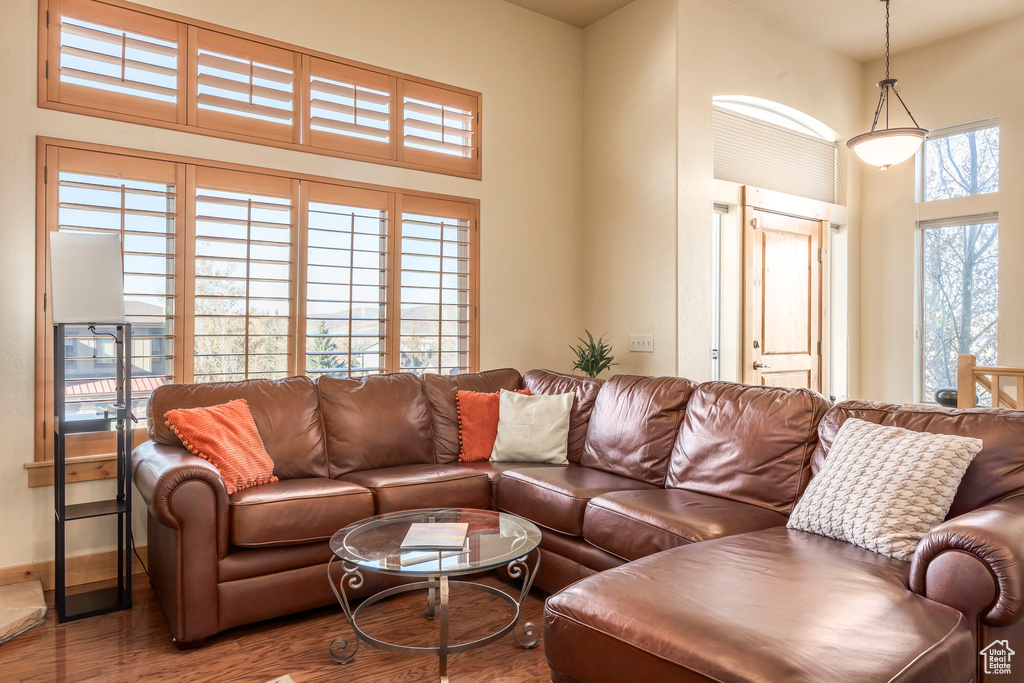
(135, 645)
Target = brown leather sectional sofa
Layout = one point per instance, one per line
(674, 504)
(780, 605)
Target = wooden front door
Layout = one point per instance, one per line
(784, 266)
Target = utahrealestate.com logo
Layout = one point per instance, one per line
(997, 657)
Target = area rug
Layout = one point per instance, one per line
(21, 607)
(283, 679)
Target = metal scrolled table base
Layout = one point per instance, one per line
(343, 574)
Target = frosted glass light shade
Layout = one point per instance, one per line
(888, 147)
(86, 278)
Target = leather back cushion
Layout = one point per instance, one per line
(377, 421)
(586, 390)
(286, 412)
(226, 436)
(747, 443)
(440, 391)
(995, 473)
(634, 425)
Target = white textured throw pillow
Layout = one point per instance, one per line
(532, 428)
(883, 488)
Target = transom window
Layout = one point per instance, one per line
(962, 161)
(131, 63)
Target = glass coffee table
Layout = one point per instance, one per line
(494, 539)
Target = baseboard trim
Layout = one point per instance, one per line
(80, 569)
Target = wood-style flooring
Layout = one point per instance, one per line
(129, 646)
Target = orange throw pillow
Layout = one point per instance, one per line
(226, 436)
(478, 423)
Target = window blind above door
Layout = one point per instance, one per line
(753, 152)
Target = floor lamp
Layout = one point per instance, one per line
(86, 293)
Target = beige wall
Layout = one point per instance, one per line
(969, 77)
(629, 182)
(529, 69)
(647, 222)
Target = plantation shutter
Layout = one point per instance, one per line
(350, 108)
(244, 86)
(107, 57)
(440, 128)
(753, 152)
(345, 281)
(436, 271)
(244, 291)
(136, 199)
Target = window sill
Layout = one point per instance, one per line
(84, 468)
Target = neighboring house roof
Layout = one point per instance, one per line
(108, 387)
(132, 307)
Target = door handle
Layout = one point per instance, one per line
(758, 365)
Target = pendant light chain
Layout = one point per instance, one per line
(885, 93)
(888, 146)
(887, 39)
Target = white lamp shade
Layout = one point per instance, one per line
(888, 147)
(86, 278)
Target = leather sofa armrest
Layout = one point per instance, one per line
(161, 470)
(975, 562)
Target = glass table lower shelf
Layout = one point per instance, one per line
(493, 540)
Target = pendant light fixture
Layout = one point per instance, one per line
(888, 146)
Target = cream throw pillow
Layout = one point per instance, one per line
(532, 428)
(883, 488)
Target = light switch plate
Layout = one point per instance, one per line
(641, 343)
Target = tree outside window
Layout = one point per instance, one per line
(962, 164)
(961, 271)
(961, 297)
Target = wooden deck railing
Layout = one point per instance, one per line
(970, 376)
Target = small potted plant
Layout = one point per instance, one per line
(592, 357)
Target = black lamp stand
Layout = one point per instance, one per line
(110, 599)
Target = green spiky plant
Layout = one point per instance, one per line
(592, 357)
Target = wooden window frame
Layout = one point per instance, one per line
(300, 138)
(461, 212)
(92, 464)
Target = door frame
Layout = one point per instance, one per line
(757, 199)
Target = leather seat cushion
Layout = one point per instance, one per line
(294, 511)
(634, 524)
(556, 497)
(773, 605)
(411, 487)
(493, 470)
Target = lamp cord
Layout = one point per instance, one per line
(120, 360)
